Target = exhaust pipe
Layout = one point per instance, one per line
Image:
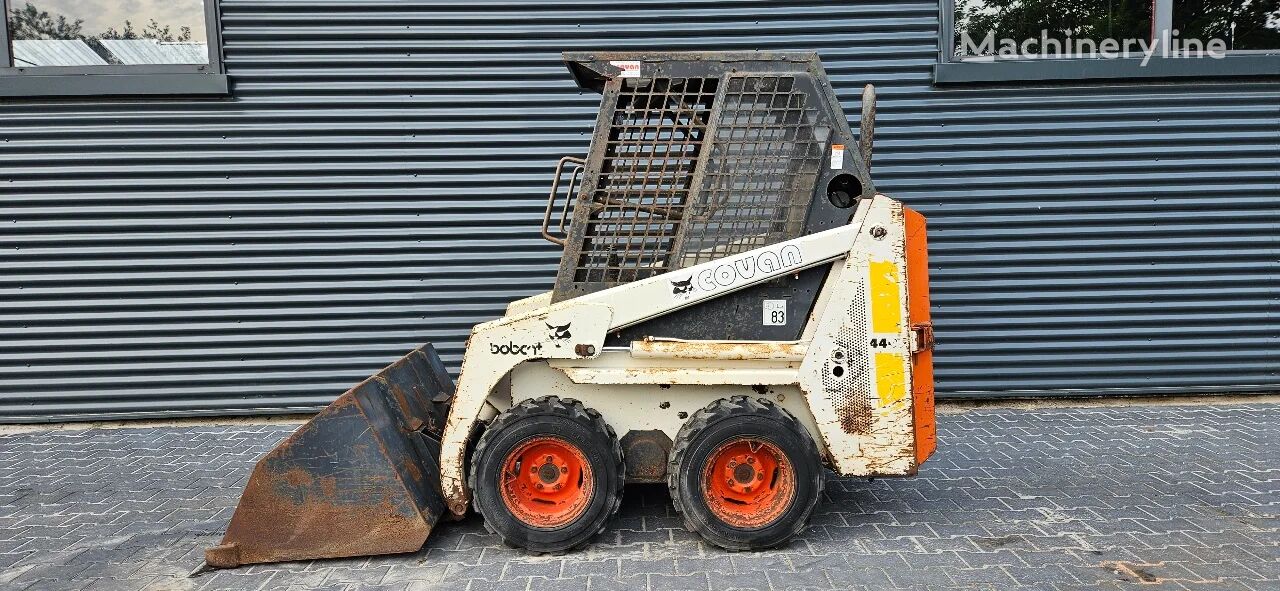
(867, 127)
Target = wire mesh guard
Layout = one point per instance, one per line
(656, 136)
(759, 170)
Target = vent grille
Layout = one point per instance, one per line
(849, 386)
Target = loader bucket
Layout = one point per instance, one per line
(360, 478)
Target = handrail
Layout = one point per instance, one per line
(564, 211)
(579, 164)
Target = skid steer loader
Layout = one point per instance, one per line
(736, 309)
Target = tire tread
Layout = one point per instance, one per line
(715, 412)
(568, 408)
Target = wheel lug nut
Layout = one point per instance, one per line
(564, 469)
(751, 460)
(550, 459)
(539, 486)
(733, 463)
(557, 487)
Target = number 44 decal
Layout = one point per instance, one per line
(879, 343)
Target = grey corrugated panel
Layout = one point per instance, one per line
(54, 52)
(378, 176)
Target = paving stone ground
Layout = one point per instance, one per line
(1146, 497)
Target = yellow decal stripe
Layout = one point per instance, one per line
(886, 298)
(891, 378)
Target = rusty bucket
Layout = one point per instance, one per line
(360, 478)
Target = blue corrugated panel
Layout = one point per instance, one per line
(378, 175)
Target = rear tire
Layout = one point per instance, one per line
(547, 475)
(745, 474)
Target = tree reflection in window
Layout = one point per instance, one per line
(107, 32)
(1242, 24)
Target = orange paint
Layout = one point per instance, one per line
(546, 482)
(748, 483)
(918, 313)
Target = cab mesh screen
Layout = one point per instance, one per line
(656, 134)
(760, 173)
(695, 169)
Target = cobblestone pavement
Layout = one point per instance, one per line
(1146, 497)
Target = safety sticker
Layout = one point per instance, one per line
(775, 312)
(629, 69)
(837, 156)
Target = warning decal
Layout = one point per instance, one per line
(630, 69)
(837, 156)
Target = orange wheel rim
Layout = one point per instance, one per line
(546, 482)
(748, 483)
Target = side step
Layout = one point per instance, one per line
(360, 478)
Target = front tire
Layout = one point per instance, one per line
(745, 474)
(547, 475)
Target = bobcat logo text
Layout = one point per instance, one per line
(510, 348)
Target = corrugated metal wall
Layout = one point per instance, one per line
(376, 180)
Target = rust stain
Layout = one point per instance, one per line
(276, 531)
(336, 488)
(455, 490)
(398, 393)
(298, 477)
(268, 527)
(412, 469)
(329, 486)
(726, 350)
(647, 454)
(346, 399)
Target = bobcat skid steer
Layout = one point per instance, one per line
(736, 310)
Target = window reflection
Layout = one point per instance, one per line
(107, 32)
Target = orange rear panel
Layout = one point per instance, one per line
(918, 313)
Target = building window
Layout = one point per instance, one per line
(1245, 25)
(107, 47)
(995, 40)
(985, 28)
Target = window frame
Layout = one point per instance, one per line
(116, 80)
(1260, 63)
